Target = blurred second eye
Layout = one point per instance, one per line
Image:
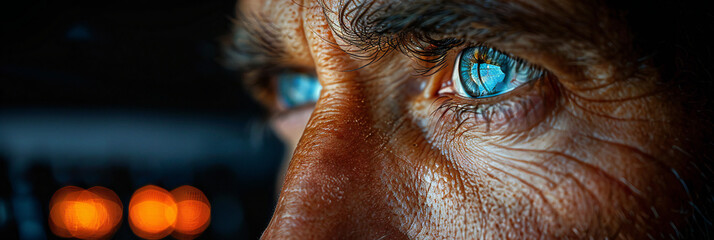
(297, 89)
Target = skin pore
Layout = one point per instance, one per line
(601, 146)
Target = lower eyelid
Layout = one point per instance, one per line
(512, 112)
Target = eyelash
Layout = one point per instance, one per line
(511, 113)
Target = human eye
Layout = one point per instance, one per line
(282, 89)
(295, 89)
(483, 72)
(288, 93)
(280, 81)
(490, 90)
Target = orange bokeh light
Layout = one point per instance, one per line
(152, 212)
(194, 212)
(85, 214)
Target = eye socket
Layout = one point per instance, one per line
(297, 89)
(482, 72)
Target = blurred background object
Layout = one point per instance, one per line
(123, 94)
(152, 212)
(94, 213)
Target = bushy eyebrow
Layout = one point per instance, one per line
(492, 18)
(254, 43)
(429, 28)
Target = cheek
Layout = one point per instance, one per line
(559, 170)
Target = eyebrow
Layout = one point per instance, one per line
(254, 43)
(449, 16)
(409, 26)
(428, 29)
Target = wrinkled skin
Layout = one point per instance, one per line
(600, 149)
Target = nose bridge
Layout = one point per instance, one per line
(335, 150)
(332, 186)
(329, 189)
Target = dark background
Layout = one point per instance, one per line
(122, 94)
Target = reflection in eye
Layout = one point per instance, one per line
(482, 72)
(297, 89)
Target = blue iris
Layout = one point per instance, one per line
(297, 89)
(489, 74)
(485, 72)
